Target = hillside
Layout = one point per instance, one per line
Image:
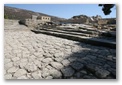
(18, 14)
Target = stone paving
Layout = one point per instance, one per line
(37, 56)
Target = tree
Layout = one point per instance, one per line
(106, 8)
(5, 16)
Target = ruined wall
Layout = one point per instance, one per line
(107, 21)
(32, 23)
(35, 21)
(76, 21)
(102, 21)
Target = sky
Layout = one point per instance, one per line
(66, 10)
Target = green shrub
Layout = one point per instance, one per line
(5, 17)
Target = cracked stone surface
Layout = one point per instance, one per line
(38, 56)
(57, 65)
(20, 72)
(77, 65)
(68, 71)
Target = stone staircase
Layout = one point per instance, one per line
(89, 36)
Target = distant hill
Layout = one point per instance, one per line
(19, 14)
(16, 13)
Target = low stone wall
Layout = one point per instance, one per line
(31, 22)
(102, 21)
(107, 21)
(10, 22)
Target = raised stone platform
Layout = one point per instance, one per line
(78, 37)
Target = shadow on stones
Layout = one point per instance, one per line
(89, 62)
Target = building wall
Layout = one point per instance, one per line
(34, 17)
(34, 21)
(30, 22)
(45, 18)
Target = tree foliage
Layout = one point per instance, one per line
(106, 8)
(5, 16)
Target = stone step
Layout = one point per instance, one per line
(90, 32)
(109, 34)
(93, 32)
(88, 40)
(88, 29)
(80, 31)
(82, 34)
(67, 32)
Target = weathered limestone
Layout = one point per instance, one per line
(7, 60)
(77, 37)
(20, 72)
(36, 75)
(77, 65)
(57, 65)
(8, 76)
(65, 62)
(22, 77)
(55, 73)
(49, 77)
(30, 66)
(8, 65)
(45, 72)
(68, 72)
(102, 73)
(12, 70)
(38, 56)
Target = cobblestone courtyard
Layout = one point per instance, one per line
(69, 45)
(37, 56)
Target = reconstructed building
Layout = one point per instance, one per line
(35, 20)
(45, 18)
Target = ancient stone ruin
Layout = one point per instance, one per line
(107, 21)
(43, 47)
(35, 20)
(38, 56)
